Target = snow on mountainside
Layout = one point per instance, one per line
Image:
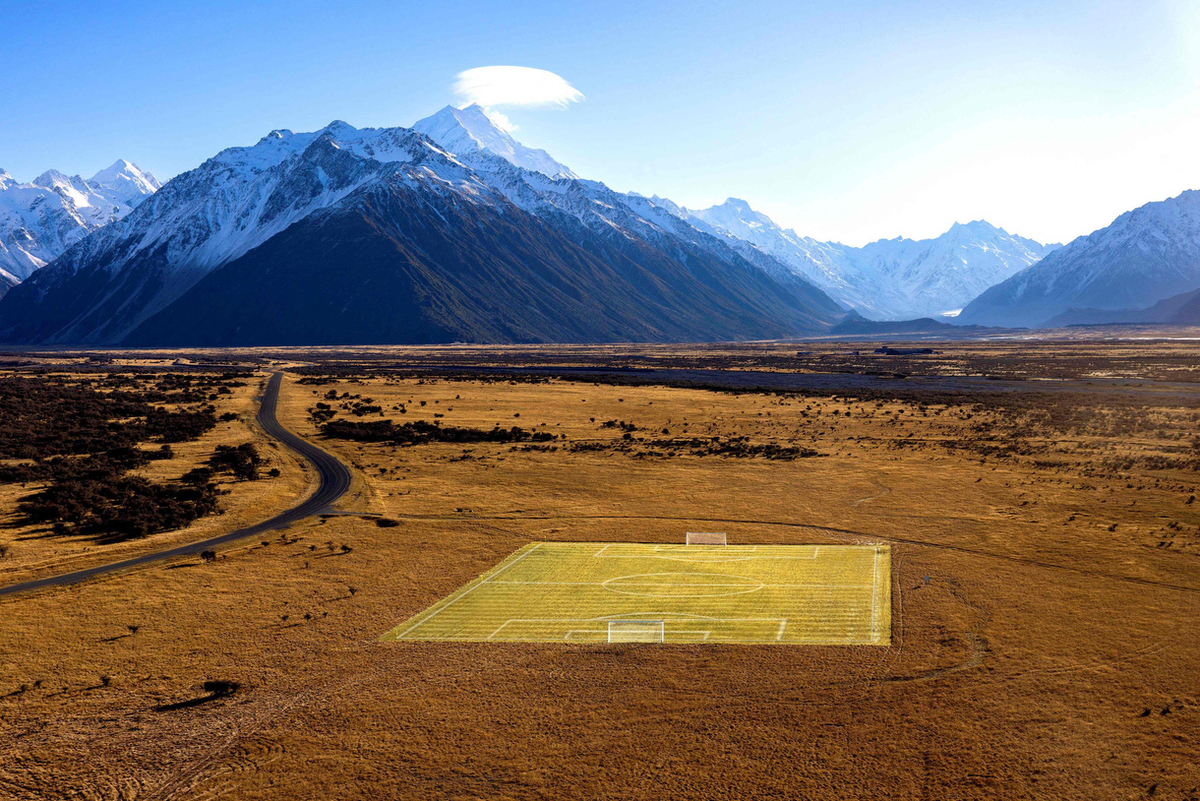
(127, 182)
(950, 270)
(889, 278)
(108, 284)
(825, 264)
(41, 219)
(1146, 255)
(463, 131)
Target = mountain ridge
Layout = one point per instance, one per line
(40, 219)
(642, 264)
(896, 278)
(1145, 255)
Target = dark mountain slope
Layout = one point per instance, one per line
(1181, 309)
(402, 263)
(1188, 312)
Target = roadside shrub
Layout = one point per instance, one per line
(240, 460)
(421, 432)
(118, 508)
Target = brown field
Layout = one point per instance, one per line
(1045, 598)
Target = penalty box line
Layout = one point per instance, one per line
(702, 553)
(684, 586)
(692, 619)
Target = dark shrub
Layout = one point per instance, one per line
(240, 460)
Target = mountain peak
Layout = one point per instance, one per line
(129, 181)
(340, 127)
(735, 215)
(474, 110)
(1144, 256)
(464, 131)
(976, 226)
(50, 178)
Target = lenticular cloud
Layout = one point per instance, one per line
(514, 86)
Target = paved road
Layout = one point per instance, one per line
(335, 480)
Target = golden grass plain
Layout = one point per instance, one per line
(1044, 616)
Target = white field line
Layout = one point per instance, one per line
(874, 596)
(681, 635)
(625, 616)
(437, 609)
(740, 641)
(724, 555)
(668, 584)
(572, 632)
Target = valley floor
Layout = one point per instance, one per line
(1045, 591)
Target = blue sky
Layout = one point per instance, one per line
(847, 121)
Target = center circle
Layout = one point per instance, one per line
(681, 585)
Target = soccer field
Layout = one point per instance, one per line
(569, 592)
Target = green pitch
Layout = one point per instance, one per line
(569, 592)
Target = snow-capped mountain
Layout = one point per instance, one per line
(942, 275)
(1146, 255)
(41, 219)
(126, 182)
(890, 278)
(463, 131)
(826, 264)
(383, 235)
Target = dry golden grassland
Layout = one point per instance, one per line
(1045, 600)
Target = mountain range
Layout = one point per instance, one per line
(452, 230)
(1145, 256)
(39, 220)
(890, 278)
(384, 235)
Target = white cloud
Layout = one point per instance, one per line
(491, 87)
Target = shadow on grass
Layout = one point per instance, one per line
(215, 690)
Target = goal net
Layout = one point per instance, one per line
(706, 538)
(636, 630)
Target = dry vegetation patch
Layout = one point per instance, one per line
(1045, 572)
(106, 464)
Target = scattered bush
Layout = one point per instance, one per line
(221, 687)
(240, 460)
(421, 432)
(118, 508)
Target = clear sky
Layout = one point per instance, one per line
(847, 121)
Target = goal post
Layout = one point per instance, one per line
(637, 630)
(706, 538)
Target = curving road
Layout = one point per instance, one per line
(335, 480)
